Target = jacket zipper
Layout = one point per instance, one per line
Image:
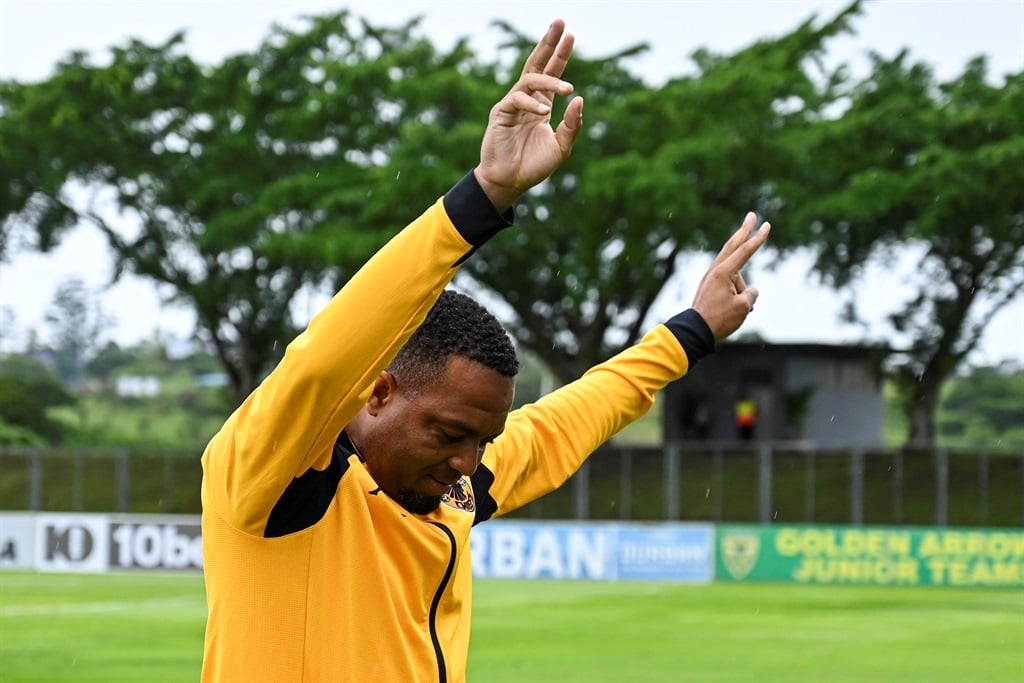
(442, 673)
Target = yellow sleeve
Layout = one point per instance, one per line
(544, 443)
(290, 423)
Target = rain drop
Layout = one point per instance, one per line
(398, 175)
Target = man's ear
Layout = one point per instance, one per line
(384, 388)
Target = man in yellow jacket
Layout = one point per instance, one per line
(338, 499)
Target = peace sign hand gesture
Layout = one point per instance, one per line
(723, 298)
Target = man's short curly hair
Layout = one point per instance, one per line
(456, 326)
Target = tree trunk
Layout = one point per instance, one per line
(921, 412)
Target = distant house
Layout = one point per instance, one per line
(212, 380)
(137, 386)
(825, 394)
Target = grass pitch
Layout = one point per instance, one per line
(146, 627)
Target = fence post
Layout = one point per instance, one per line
(897, 487)
(810, 494)
(35, 480)
(1021, 489)
(717, 483)
(941, 487)
(168, 480)
(124, 476)
(672, 481)
(857, 486)
(76, 480)
(764, 479)
(581, 491)
(983, 487)
(626, 484)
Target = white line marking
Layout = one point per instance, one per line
(98, 607)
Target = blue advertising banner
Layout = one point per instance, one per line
(578, 550)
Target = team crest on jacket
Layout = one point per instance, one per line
(460, 497)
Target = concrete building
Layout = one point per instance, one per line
(824, 394)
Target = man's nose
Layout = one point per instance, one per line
(466, 457)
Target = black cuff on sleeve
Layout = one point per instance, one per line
(472, 213)
(693, 334)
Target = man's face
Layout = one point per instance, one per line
(416, 445)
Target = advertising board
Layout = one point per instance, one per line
(903, 556)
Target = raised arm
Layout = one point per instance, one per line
(289, 425)
(545, 443)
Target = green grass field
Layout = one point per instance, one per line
(144, 627)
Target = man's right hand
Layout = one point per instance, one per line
(723, 298)
(519, 148)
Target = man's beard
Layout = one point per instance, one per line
(417, 503)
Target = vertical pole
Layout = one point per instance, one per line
(76, 480)
(168, 483)
(123, 479)
(672, 481)
(1021, 496)
(941, 487)
(717, 484)
(35, 480)
(897, 487)
(810, 494)
(857, 486)
(581, 491)
(983, 492)
(764, 479)
(626, 484)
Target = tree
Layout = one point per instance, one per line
(937, 166)
(76, 325)
(661, 173)
(984, 405)
(247, 182)
(27, 390)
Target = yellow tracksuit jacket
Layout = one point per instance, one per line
(313, 574)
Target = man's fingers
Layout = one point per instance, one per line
(557, 62)
(750, 294)
(570, 126)
(737, 238)
(540, 60)
(519, 101)
(746, 248)
(542, 84)
(533, 94)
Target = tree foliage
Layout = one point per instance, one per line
(77, 325)
(937, 165)
(243, 183)
(984, 405)
(244, 186)
(28, 389)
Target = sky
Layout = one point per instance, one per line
(36, 34)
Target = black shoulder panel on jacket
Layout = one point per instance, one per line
(486, 506)
(305, 501)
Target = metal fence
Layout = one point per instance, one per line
(721, 482)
